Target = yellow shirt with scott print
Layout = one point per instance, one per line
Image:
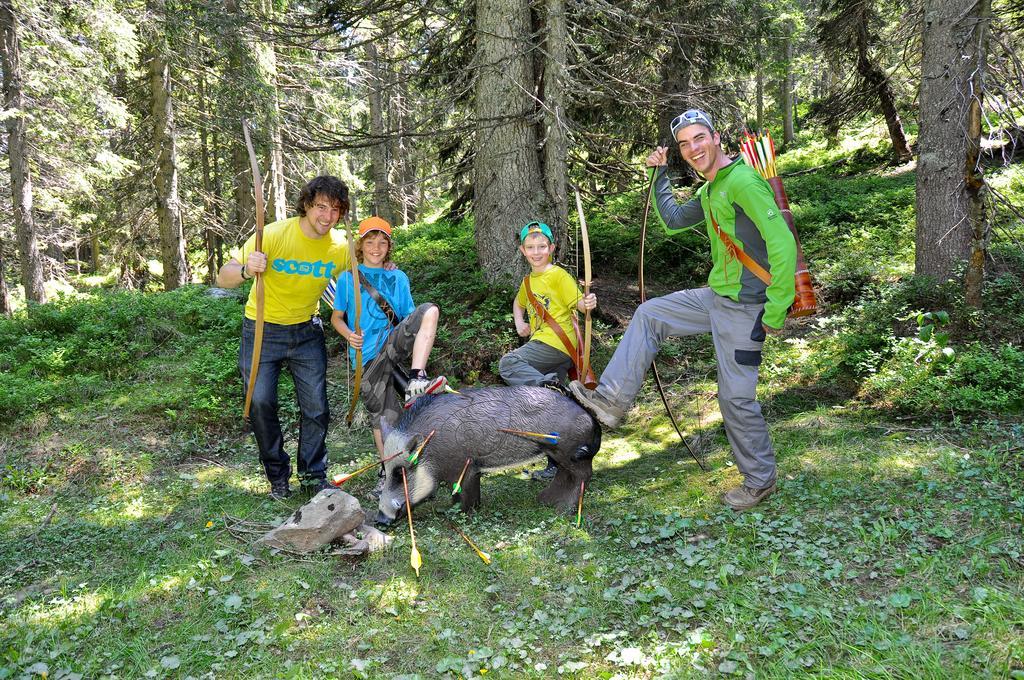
(298, 270)
(557, 292)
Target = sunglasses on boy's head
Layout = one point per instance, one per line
(689, 118)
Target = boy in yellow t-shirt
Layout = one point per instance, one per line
(300, 255)
(544, 360)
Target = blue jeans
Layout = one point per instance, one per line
(300, 346)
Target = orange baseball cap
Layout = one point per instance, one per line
(374, 224)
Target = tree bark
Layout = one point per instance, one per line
(277, 203)
(508, 189)
(878, 80)
(18, 153)
(977, 188)
(788, 85)
(5, 293)
(165, 180)
(676, 74)
(209, 234)
(402, 149)
(556, 140)
(382, 192)
(950, 186)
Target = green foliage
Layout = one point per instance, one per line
(680, 260)
(75, 348)
(855, 230)
(976, 381)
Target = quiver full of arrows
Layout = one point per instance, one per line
(759, 153)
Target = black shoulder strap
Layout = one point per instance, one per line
(389, 312)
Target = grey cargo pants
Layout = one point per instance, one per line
(737, 333)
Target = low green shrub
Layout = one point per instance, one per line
(976, 380)
(73, 348)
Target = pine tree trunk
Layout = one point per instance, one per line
(94, 252)
(168, 209)
(5, 293)
(556, 142)
(788, 85)
(977, 188)
(17, 151)
(508, 189)
(382, 205)
(950, 188)
(403, 153)
(277, 203)
(209, 235)
(873, 74)
(673, 92)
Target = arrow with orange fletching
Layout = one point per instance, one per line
(338, 480)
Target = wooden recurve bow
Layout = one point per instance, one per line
(587, 324)
(257, 342)
(643, 299)
(357, 308)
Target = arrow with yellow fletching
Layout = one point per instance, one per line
(480, 553)
(414, 556)
(549, 438)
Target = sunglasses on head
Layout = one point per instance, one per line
(689, 118)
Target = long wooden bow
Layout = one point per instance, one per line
(357, 308)
(643, 299)
(257, 341)
(587, 328)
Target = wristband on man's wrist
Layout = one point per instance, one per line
(244, 272)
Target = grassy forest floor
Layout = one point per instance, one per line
(893, 548)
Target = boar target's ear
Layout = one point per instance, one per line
(413, 442)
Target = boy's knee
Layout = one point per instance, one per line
(506, 362)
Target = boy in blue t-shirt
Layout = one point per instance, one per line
(393, 330)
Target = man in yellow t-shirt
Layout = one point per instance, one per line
(300, 256)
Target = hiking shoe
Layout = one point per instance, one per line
(743, 497)
(419, 386)
(545, 475)
(315, 486)
(279, 490)
(607, 413)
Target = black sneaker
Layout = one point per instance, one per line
(279, 490)
(545, 475)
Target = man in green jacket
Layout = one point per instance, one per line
(737, 308)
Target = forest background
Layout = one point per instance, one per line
(128, 483)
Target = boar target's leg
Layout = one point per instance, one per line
(563, 492)
(471, 490)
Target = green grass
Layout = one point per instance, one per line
(890, 551)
